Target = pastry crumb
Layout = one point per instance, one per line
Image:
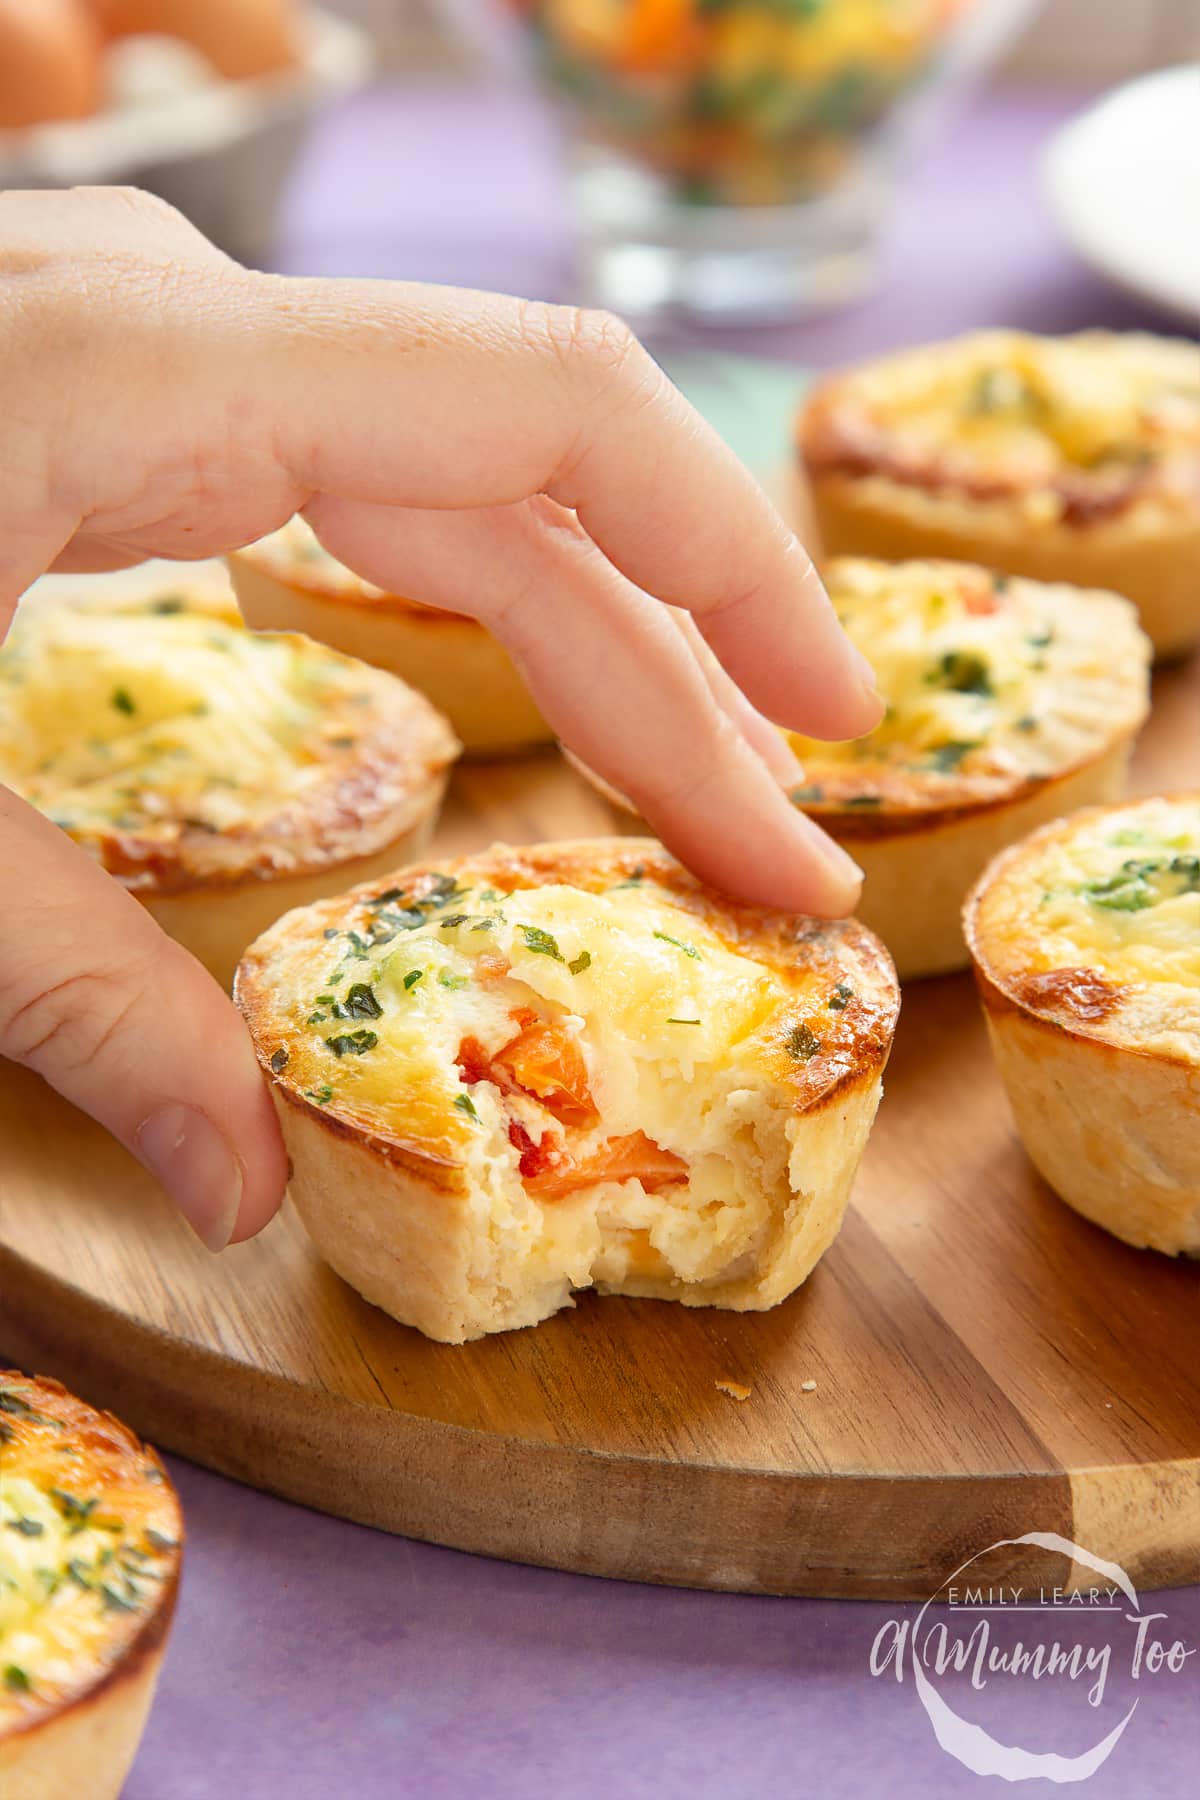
(737, 1390)
(808, 1387)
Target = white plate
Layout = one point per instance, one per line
(1123, 181)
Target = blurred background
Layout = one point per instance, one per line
(810, 179)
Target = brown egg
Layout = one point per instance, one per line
(239, 37)
(50, 62)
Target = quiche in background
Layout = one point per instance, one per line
(1086, 941)
(222, 776)
(90, 1546)
(1009, 702)
(289, 582)
(1071, 459)
(539, 1070)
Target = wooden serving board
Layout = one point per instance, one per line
(986, 1363)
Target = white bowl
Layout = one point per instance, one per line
(218, 150)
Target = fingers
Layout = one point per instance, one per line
(428, 399)
(758, 731)
(127, 1026)
(613, 674)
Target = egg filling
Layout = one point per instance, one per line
(991, 683)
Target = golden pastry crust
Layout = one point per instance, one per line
(1073, 459)
(1009, 702)
(536, 1070)
(1086, 942)
(288, 581)
(220, 775)
(91, 1541)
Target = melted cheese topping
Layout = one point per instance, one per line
(991, 683)
(133, 714)
(649, 992)
(89, 1532)
(1118, 893)
(1081, 424)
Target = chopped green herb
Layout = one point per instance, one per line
(540, 942)
(635, 878)
(448, 979)
(170, 603)
(808, 792)
(330, 931)
(803, 1043)
(123, 700)
(319, 1096)
(841, 997)
(454, 919)
(387, 894)
(342, 743)
(117, 1602)
(863, 800)
(360, 1003)
(279, 1060)
(316, 1018)
(30, 1528)
(412, 978)
(581, 962)
(16, 1680)
(688, 949)
(18, 1408)
(358, 946)
(683, 1021)
(1026, 722)
(1038, 640)
(963, 672)
(76, 1512)
(352, 1043)
(948, 756)
(465, 1104)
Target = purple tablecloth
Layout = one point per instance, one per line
(320, 1661)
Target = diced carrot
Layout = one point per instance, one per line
(545, 1061)
(620, 1159)
(491, 967)
(474, 1062)
(659, 34)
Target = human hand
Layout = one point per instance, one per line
(529, 465)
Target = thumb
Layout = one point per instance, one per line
(128, 1026)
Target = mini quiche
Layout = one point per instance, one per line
(1086, 941)
(1009, 702)
(539, 1070)
(90, 1535)
(221, 775)
(1068, 459)
(288, 581)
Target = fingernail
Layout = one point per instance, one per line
(198, 1168)
(869, 679)
(839, 861)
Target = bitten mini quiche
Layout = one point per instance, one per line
(1086, 941)
(288, 581)
(90, 1535)
(538, 1070)
(221, 775)
(1067, 459)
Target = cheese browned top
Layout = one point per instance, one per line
(993, 686)
(1094, 923)
(182, 750)
(1076, 429)
(90, 1533)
